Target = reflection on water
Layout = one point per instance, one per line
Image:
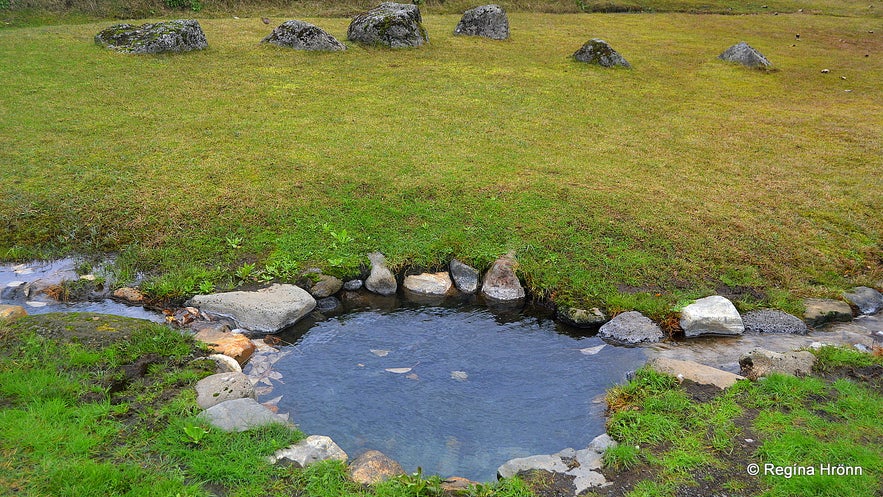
(453, 390)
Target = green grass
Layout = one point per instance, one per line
(677, 177)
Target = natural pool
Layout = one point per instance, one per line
(454, 390)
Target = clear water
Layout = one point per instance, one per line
(456, 391)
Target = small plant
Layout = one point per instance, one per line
(245, 272)
(194, 433)
(234, 242)
(206, 286)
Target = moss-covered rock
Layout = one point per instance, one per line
(391, 24)
(181, 35)
(599, 52)
(301, 35)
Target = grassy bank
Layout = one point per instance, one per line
(629, 188)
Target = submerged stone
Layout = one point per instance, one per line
(180, 35)
(821, 311)
(599, 52)
(301, 35)
(742, 53)
(488, 21)
(394, 25)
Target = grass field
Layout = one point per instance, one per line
(677, 177)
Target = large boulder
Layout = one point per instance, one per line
(180, 35)
(373, 467)
(489, 21)
(742, 53)
(759, 362)
(631, 327)
(301, 35)
(381, 280)
(465, 277)
(313, 449)
(713, 315)
(821, 311)
(599, 52)
(773, 321)
(267, 310)
(217, 388)
(867, 300)
(429, 283)
(395, 25)
(501, 283)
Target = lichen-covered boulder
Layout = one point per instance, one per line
(599, 52)
(489, 21)
(742, 53)
(301, 35)
(180, 35)
(395, 25)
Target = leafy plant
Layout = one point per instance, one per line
(206, 286)
(194, 432)
(234, 242)
(245, 271)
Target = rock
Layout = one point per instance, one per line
(742, 53)
(713, 315)
(489, 21)
(235, 345)
(326, 286)
(181, 35)
(500, 282)
(328, 305)
(267, 310)
(217, 388)
(429, 283)
(301, 35)
(760, 362)
(773, 321)
(465, 277)
(9, 313)
(699, 373)
(352, 285)
(239, 415)
(314, 449)
(381, 280)
(373, 467)
(222, 363)
(598, 52)
(631, 327)
(582, 318)
(394, 25)
(868, 300)
(129, 294)
(601, 443)
(457, 485)
(551, 463)
(821, 311)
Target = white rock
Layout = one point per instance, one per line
(713, 315)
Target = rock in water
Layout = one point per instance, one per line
(713, 315)
(489, 21)
(465, 277)
(773, 321)
(742, 53)
(267, 310)
(631, 327)
(501, 283)
(867, 300)
(381, 280)
(180, 35)
(821, 311)
(429, 283)
(394, 25)
(301, 35)
(599, 52)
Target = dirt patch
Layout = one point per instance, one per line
(872, 375)
(548, 484)
(699, 392)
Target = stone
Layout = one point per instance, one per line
(391, 24)
(381, 280)
(235, 345)
(301, 35)
(631, 327)
(488, 21)
(373, 467)
(600, 53)
(602, 442)
(457, 485)
(582, 318)
(240, 415)
(9, 313)
(742, 53)
(693, 371)
(267, 310)
(500, 282)
(328, 305)
(129, 294)
(759, 362)
(713, 315)
(313, 449)
(465, 277)
(867, 300)
(352, 285)
(180, 35)
(429, 283)
(222, 363)
(217, 388)
(773, 321)
(821, 311)
(545, 462)
(326, 286)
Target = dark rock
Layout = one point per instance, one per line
(180, 35)
(868, 300)
(328, 305)
(465, 277)
(631, 327)
(742, 53)
(599, 52)
(489, 21)
(325, 286)
(352, 285)
(821, 311)
(773, 321)
(301, 35)
(581, 318)
(394, 25)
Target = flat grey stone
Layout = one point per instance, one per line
(760, 362)
(180, 35)
(381, 280)
(713, 315)
(240, 415)
(693, 371)
(465, 277)
(488, 21)
(631, 327)
(821, 311)
(313, 449)
(599, 52)
(301, 35)
(267, 310)
(217, 388)
(773, 321)
(394, 25)
(868, 300)
(546, 462)
(742, 53)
